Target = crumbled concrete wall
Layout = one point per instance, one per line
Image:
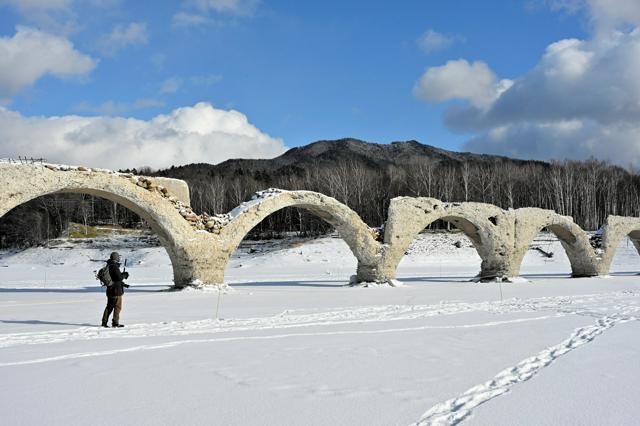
(177, 187)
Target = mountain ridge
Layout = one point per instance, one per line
(372, 155)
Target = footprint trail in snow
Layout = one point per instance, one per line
(455, 410)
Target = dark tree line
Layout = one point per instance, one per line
(588, 191)
(48, 217)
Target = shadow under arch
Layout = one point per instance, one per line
(36, 181)
(350, 227)
(574, 240)
(409, 216)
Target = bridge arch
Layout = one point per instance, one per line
(22, 183)
(200, 253)
(614, 231)
(480, 222)
(575, 241)
(358, 236)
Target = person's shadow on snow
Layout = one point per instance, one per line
(39, 322)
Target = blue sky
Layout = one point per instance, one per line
(295, 72)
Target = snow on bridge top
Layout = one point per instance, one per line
(256, 199)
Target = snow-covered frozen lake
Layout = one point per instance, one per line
(291, 345)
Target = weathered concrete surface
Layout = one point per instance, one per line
(187, 249)
(176, 187)
(489, 228)
(615, 229)
(530, 221)
(198, 252)
(358, 236)
(502, 237)
(200, 245)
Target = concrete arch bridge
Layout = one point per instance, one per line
(200, 246)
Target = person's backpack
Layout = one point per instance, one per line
(104, 277)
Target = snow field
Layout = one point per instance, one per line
(292, 345)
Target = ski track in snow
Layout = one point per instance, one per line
(455, 410)
(290, 319)
(176, 343)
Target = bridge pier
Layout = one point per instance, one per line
(198, 261)
(366, 273)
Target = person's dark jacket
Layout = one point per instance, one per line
(117, 288)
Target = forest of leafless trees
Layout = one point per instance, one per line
(588, 191)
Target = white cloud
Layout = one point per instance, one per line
(171, 85)
(200, 133)
(575, 139)
(608, 15)
(122, 36)
(566, 60)
(432, 41)
(582, 99)
(574, 80)
(605, 15)
(53, 16)
(460, 80)
(30, 54)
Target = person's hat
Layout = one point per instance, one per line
(115, 256)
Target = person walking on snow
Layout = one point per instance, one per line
(114, 291)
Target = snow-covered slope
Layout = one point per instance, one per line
(289, 344)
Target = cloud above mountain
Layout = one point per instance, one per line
(201, 133)
(581, 100)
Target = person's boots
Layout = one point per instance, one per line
(117, 325)
(104, 324)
